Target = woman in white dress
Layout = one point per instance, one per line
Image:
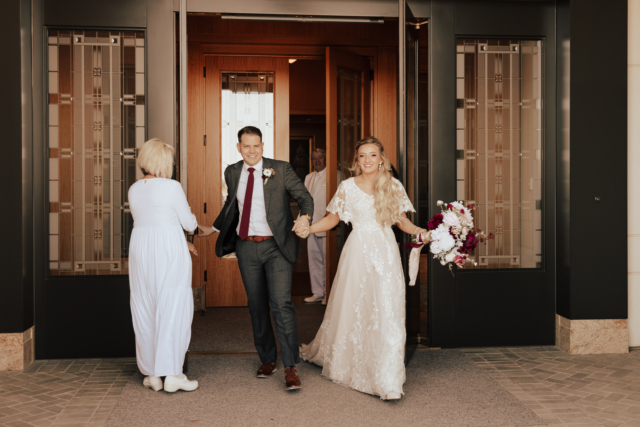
(361, 341)
(160, 270)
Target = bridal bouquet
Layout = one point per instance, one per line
(452, 234)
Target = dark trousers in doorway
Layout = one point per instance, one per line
(266, 275)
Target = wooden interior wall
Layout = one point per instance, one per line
(307, 87)
(308, 41)
(196, 155)
(210, 35)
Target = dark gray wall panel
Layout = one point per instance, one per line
(563, 185)
(442, 87)
(91, 13)
(27, 166)
(11, 214)
(40, 183)
(524, 18)
(598, 158)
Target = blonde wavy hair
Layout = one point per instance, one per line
(386, 194)
(156, 158)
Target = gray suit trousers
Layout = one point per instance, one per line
(266, 275)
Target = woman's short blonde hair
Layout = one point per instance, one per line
(156, 158)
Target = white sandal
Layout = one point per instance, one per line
(393, 396)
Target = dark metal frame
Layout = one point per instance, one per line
(489, 307)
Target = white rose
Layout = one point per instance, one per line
(437, 234)
(440, 203)
(267, 173)
(450, 257)
(435, 248)
(457, 205)
(447, 243)
(443, 262)
(451, 219)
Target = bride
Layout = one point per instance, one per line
(361, 341)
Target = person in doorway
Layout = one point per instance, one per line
(255, 223)
(361, 341)
(160, 270)
(316, 183)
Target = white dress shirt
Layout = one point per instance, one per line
(258, 225)
(316, 183)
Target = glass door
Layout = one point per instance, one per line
(348, 120)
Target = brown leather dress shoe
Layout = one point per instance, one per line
(291, 378)
(266, 370)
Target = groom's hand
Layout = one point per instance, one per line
(205, 230)
(301, 227)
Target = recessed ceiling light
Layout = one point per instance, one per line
(291, 61)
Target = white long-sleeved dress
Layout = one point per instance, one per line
(160, 275)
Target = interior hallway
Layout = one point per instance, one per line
(472, 387)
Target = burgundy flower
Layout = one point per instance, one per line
(435, 221)
(462, 211)
(449, 206)
(470, 243)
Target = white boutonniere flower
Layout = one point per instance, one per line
(266, 174)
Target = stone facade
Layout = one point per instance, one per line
(17, 350)
(597, 336)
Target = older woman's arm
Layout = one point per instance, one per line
(180, 204)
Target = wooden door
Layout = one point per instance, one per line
(348, 118)
(224, 287)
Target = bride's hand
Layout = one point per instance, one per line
(425, 235)
(301, 229)
(192, 248)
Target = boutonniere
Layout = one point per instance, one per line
(267, 173)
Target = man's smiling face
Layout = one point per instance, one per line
(250, 148)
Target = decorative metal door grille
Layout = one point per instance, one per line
(96, 125)
(499, 146)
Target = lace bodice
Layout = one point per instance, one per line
(355, 206)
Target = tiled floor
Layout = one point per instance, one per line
(78, 392)
(564, 390)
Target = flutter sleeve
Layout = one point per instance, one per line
(404, 202)
(338, 204)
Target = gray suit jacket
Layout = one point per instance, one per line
(277, 196)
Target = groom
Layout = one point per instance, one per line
(256, 223)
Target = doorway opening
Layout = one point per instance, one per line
(306, 86)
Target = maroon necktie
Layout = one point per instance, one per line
(246, 209)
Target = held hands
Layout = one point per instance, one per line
(301, 227)
(205, 230)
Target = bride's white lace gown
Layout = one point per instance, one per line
(361, 341)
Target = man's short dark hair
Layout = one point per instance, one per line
(249, 130)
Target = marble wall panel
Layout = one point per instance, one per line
(17, 350)
(593, 336)
(11, 356)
